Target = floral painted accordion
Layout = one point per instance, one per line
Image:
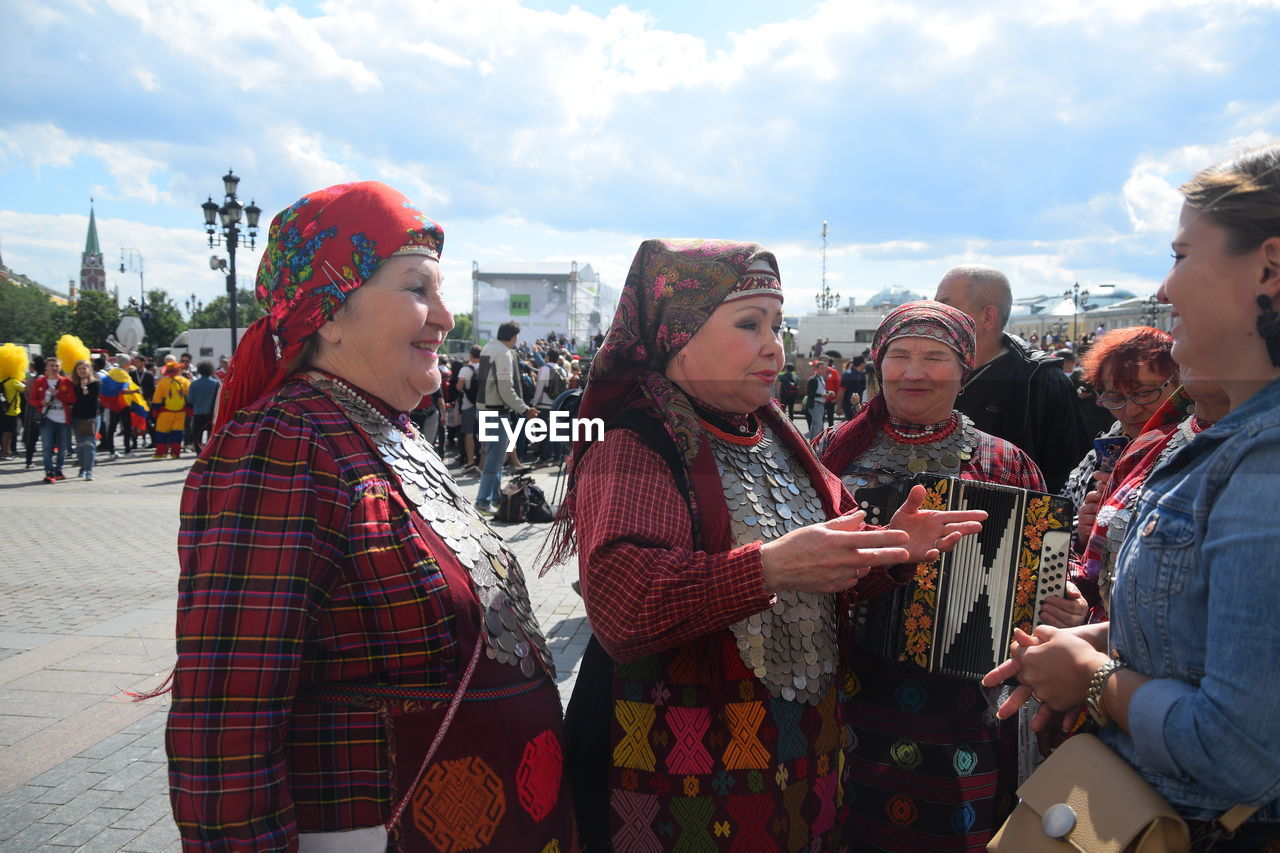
(956, 615)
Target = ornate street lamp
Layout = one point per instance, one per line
(1079, 298)
(826, 299)
(222, 222)
(1151, 311)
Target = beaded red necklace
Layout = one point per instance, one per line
(923, 435)
(740, 440)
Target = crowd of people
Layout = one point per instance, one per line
(359, 666)
(76, 407)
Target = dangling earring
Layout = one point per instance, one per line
(1269, 328)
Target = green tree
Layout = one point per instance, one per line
(462, 330)
(94, 318)
(59, 322)
(162, 320)
(217, 314)
(27, 316)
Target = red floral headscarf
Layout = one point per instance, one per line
(319, 249)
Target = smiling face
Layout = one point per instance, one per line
(1213, 294)
(84, 371)
(733, 359)
(385, 337)
(920, 380)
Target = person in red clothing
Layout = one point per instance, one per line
(831, 379)
(711, 548)
(359, 667)
(52, 396)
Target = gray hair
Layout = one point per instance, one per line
(985, 286)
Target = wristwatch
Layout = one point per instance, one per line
(1093, 699)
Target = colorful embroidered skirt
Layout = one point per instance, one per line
(697, 755)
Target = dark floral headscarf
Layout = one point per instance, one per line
(928, 319)
(671, 290)
(319, 249)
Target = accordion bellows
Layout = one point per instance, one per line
(956, 615)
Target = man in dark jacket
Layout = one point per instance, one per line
(1016, 393)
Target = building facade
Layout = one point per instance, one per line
(543, 298)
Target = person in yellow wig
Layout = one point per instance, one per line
(13, 369)
(171, 398)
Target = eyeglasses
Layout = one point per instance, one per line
(1113, 401)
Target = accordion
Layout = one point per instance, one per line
(957, 614)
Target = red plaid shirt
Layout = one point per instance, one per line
(645, 587)
(301, 564)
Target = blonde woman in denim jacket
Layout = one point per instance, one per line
(1195, 702)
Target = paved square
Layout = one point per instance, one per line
(88, 585)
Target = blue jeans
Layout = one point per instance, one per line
(51, 433)
(85, 450)
(816, 411)
(490, 492)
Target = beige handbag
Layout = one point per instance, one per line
(1086, 798)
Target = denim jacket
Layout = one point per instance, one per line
(1196, 607)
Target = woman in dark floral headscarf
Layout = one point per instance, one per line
(705, 712)
(338, 597)
(928, 769)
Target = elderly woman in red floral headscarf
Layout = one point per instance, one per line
(928, 766)
(711, 544)
(338, 597)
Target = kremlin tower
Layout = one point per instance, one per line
(93, 275)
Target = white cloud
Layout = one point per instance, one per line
(306, 156)
(146, 79)
(1048, 139)
(38, 145)
(1150, 194)
(47, 145)
(245, 42)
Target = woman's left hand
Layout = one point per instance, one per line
(932, 531)
(1065, 611)
(1053, 665)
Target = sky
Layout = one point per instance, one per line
(1047, 139)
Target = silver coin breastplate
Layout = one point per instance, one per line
(508, 629)
(791, 647)
(888, 460)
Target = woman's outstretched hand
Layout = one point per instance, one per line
(830, 556)
(932, 532)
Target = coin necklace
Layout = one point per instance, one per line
(791, 647)
(508, 626)
(894, 453)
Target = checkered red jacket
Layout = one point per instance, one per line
(300, 564)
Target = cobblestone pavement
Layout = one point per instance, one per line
(88, 579)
